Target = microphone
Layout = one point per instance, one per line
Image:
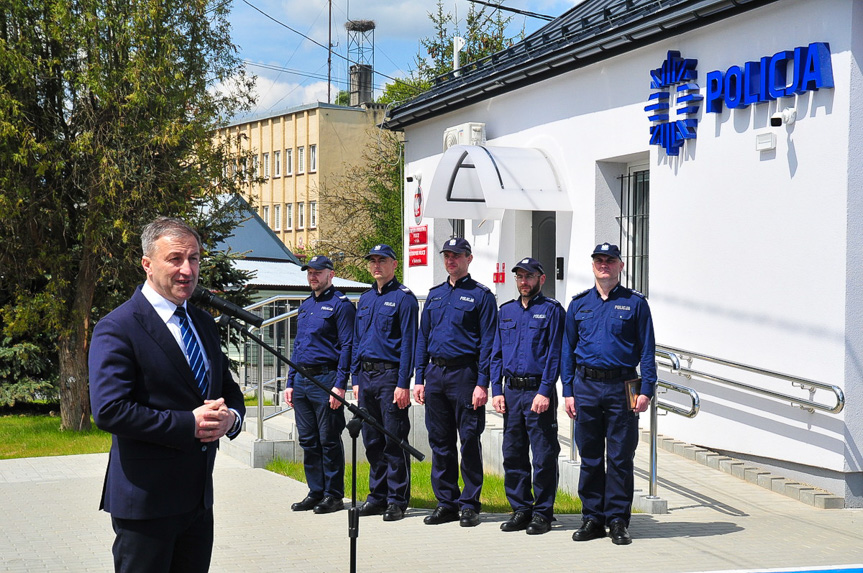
(204, 296)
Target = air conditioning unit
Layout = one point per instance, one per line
(465, 134)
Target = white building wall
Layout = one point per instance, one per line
(751, 254)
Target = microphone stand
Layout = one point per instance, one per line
(361, 415)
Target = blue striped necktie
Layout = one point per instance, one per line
(193, 350)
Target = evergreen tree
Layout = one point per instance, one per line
(106, 114)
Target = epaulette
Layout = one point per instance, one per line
(483, 287)
(554, 300)
(406, 290)
(581, 294)
(509, 302)
(635, 292)
(344, 297)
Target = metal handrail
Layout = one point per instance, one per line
(655, 406)
(802, 383)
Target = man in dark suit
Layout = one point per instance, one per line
(160, 383)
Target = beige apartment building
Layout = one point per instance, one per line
(296, 151)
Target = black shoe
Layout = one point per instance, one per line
(538, 525)
(590, 529)
(440, 515)
(516, 522)
(393, 513)
(308, 503)
(369, 508)
(469, 518)
(329, 504)
(619, 534)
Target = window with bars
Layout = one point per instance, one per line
(635, 228)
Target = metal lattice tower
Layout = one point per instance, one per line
(361, 60)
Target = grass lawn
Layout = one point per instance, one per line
(493, 498)
(33, 430)
(28, 434)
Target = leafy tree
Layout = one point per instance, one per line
(364, 208)
(485, 33)
(106, 114)
(343, 98)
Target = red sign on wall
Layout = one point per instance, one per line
(418, 257)
(419, 235)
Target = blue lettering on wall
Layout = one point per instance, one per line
(674, 77)
(767, 79)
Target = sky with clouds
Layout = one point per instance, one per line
(292, 70)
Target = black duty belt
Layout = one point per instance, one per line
(457, 361)
(318, 369)
(523, 382)
(610, 374)
(379, 366)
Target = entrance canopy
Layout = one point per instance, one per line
(473, 182)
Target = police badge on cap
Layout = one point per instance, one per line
(530, 265)
(607, 249)
(456, 245)
(318, 262)
(382, 250)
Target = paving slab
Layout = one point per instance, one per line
(715, 522)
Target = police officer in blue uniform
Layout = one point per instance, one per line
(453, 356)
(384, 338)
(608, 333)
(325, 331)
(525, 366)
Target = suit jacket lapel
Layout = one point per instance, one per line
(152, 324)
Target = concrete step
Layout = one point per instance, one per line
(804, 493)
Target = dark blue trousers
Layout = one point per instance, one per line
(174, 544)
(319, 429)
(389, 464)
(450, 415)
(606, 433)
(525, 432)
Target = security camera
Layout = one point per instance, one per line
(785, 117)
(410, 178)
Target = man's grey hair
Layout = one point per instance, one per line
(165, 226)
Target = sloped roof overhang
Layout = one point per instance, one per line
(588, 33)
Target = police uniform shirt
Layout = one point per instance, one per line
(527, 343)
(386, 327)
(609, 334)
(325, 332)
(457, 321)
